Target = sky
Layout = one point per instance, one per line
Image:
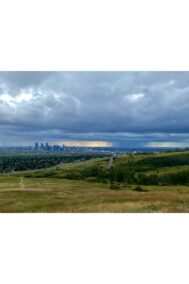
(125, 109)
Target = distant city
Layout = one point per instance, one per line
(38, 147)
(45, 147)
(57, 148)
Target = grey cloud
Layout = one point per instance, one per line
(94, 105)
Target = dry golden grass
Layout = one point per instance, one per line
(18, 194)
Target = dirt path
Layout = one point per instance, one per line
(21, 183)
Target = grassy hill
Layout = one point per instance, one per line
(149, 169)
(134, 183)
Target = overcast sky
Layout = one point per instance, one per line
(131, 109)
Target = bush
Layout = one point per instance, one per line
(91, 179)
(114, 186)
(138, 188)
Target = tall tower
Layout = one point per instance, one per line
(36, 146)
(46, 146)
(42, 146)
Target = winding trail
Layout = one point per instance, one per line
(21, 183)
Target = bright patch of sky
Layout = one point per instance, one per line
(134, 97)
(12, 101)
(83, 143)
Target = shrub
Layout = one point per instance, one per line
(114, 186)
(91, 179)
(138, 188)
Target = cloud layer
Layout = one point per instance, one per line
(125, 108)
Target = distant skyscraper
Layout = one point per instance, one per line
(36, 146)
(47, 147)
(42, 146)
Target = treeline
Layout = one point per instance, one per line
(33, 162)
(120, 175)
(161, 162)
(177, 178)
(131, 172)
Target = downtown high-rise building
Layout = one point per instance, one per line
(36, 146)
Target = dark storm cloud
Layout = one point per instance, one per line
(123, 107)
(21, 79)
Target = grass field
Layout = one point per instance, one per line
(49, 191)
(19, 194)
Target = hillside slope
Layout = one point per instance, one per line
(141, 169)
(134, 183)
